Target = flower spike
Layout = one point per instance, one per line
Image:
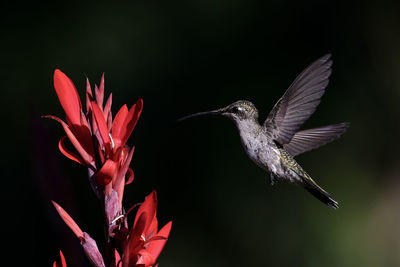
(99, 143)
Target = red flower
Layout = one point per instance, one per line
(140, 248)
(100, 141)
(100, 144)
(62, 262)
(145, 242)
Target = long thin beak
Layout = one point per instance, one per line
(212, 112)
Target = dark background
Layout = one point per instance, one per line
(183, 57)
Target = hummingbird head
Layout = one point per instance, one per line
(239, 111)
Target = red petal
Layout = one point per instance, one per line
(146, 258)
(129, 176)
(165, 231)
(101, 124)
(84, 135)
(84, 121)
(117, 258)
(135, 242)
(121, 177)
(109, 121)
(100, 147)
(154, 238)
(69, 221)
(153, 228)
(68, 97)
(155, 247)
(118, 124)
(93, 121)
(68, 153)
(89, 96)
(100, 92)
(87, 156)
(107, 109)
(97, 95)
(62, 263)
(131, 120)
(128, 160)
(107, 172)
(149, 206)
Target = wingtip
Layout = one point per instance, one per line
(326, 61)
(344, 126)
(326, 57)
(340, 127)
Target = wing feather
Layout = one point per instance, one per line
(299, 101)
(313, 138)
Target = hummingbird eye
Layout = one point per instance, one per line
(235, 110)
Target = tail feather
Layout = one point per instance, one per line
(306, 181)
(322, 196)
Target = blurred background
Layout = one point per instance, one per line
(188, 56)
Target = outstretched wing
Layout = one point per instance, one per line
(299, 101)
(313, 138)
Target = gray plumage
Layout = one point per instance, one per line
(274, 144)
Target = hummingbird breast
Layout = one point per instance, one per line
(261, 149)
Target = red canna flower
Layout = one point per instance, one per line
(100, 141)
(141, 246)
(145, 242)
(100, 144)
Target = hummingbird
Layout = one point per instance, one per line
(274, 144)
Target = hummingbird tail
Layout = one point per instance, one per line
(322, 195)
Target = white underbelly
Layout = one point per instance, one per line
(266, 157)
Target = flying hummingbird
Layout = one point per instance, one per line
(274, 144)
